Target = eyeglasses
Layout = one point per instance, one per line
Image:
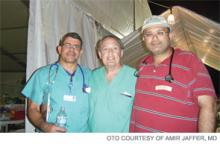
(158, 34)
(69, 46)
(112, 49)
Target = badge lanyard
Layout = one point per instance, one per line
(70, 85)
(53, 70)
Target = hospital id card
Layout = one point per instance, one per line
(69, 98)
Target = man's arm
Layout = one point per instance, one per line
(37, 119)
(207, 114)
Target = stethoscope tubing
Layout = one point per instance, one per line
(168, 77)
(50, 82)
(56, 71)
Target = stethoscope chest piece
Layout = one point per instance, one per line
(168, 78)
(86, 89)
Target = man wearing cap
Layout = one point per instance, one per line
(174, 92)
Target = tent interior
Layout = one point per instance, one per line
(191, 32)
(29, 35)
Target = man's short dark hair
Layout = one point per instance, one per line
(72, 35)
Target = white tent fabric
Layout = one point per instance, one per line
(118, 16)
(134, 48)
(192, 32)
(49, 20)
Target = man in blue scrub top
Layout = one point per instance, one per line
(62, 84)
(112, 89)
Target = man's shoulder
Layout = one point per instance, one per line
(129, 68)
(184, 53)
(98, 70)
(86, 71)
(84, 68)
(42, 70)
(186, 58)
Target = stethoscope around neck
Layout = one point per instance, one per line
(85, 87)
(51, 80)
(168, 77)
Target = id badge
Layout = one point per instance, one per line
(69, 98)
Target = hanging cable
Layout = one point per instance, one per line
(170, 18)
(158, 4)
(134, 17)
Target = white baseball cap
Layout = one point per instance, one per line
(155, 20)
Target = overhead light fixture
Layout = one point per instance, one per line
(170, 18)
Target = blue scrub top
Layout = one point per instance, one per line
(75, 101)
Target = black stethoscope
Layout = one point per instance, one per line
(168, 77)
(85, 87)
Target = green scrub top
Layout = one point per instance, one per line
(75, 102)
(111, 102)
